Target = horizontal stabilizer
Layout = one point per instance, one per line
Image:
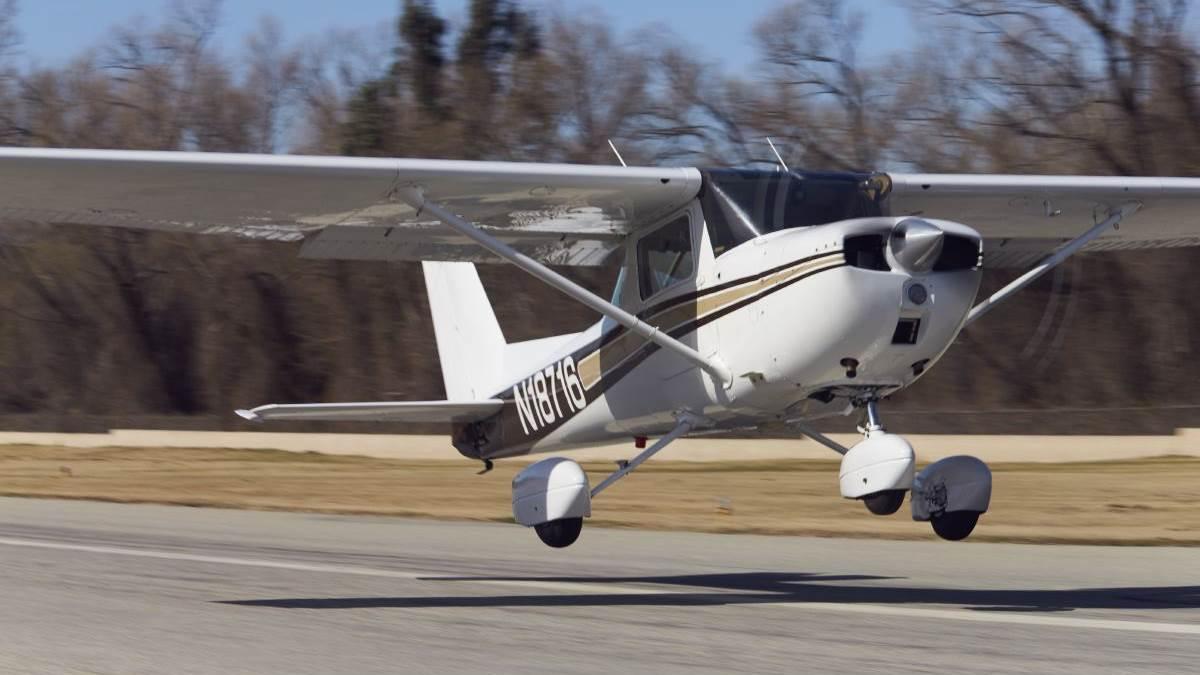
(383, 411)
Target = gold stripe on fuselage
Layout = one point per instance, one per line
(693, 310)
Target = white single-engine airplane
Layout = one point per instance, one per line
(746, 298)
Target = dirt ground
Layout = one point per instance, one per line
(1150, 501)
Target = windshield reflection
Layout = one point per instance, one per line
(740, 205)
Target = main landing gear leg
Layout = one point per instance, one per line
(883, 502)
(552, 496)
(684, 426)
(877, 471)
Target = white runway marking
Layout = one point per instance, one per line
(622, 589)
(317, 567)
(214, 559)
(997, 617)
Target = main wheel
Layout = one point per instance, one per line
(559, 533)
(884, 503)
(956, 525)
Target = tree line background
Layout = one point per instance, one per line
(110, 327)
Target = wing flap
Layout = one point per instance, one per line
(436, 242)
(381, 411)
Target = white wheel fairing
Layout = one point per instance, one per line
(549, 490)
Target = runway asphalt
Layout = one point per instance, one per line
(107, 588)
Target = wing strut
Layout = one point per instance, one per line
(1051, 261)
(416, 198)
(817, 436)
(685, 423)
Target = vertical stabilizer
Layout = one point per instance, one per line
(469, 341)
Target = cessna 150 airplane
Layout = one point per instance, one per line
(746, 298)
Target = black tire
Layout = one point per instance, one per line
(884, 503)
(955, 526)
(559, 533)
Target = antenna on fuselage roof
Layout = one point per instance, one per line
(617, 153)
(777, 155)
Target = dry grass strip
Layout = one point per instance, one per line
(1151, 501)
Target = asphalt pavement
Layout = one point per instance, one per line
(109, 588)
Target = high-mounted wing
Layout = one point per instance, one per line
(1023, 217)
(350, 208)
(342, 207)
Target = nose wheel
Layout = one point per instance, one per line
(951, 494)
(884, 503)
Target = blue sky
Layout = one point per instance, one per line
(55, 30)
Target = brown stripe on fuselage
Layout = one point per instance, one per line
(710, 303)
(678, 312)
(608, 359)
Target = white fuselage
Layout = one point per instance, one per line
(785, 312)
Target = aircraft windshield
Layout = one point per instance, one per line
(741, 205)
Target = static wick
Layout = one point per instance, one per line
(777, 155)
(617, 153)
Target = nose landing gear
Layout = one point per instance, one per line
(884, 503)
(950, 494)
(878, 470)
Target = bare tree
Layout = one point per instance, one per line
(697, 114)
(1107, 77)
(330, 71)
(119, 323)
(602, 85)
(272, 75)
(816, 93)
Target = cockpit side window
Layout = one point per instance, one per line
(665, 257)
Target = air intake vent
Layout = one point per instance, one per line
(906, 332)
(958, 253)
(865, 251)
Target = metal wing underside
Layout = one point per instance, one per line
(345, 208)
(1024, 217)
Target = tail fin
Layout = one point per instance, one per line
(469, 341)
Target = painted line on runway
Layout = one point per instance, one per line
(214, 559)
(623, 589)
(990, 617)
(563, 586)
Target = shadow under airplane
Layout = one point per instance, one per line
(751, 588)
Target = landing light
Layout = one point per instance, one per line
(918, 294)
